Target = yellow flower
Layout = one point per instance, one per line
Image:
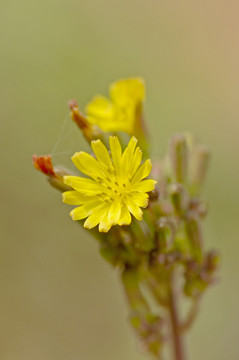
(115, 189)
(121, 111)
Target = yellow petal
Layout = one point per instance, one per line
(132, 144)
(75, 198)
(142, 172)
(135, 210)
(125, 217)
(144, 186)
(116, 152)
(101, 153)
(104, 225)
(125, 90)
(127, 158)
(117, 114)
(136, 161)
(83, 211)
(96, 216)
(100, 111)
(114, 212)
(139, 199)
(88, 165)
(83, 185)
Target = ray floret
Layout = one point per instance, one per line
(115, 187)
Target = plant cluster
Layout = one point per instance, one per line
(150, 229)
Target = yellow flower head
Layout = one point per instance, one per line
(120, 112)
(115, 189)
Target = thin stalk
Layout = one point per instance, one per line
(177, 341)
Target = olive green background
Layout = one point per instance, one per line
(59, 300)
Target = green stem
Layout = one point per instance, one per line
(177, 342)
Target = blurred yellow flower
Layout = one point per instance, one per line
(116, 188)
(121, 111)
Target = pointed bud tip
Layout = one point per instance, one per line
(43, 163)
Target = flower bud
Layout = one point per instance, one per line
(198, 168)
(179, 198)
(165, 234)
(194, 231)
(89, 130)
(130, 279)
(179, 157)
(212, 261)
(55, 175)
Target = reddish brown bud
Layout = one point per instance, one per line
(44, 164)
(55, 176)
(89, 130)
(78, 117)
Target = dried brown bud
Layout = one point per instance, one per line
(44, 164)
(89, 130)
(55, 175)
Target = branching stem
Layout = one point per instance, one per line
(177, 342)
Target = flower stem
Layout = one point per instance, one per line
(177, 342)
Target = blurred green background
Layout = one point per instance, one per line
(59, 300)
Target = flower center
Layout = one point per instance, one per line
(114, 188)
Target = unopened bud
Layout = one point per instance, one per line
(165, 234)
(130, 280)
(212, 261)
(194, 231)
(44, 164)
(90, 131)
(179, 198)
(198, 206)
(55, 175)
(143, 235)
(179, 157)
(198, 168)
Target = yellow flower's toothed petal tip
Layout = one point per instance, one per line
(140, 215)
(144, 204)
(88, 226)
(114, 212)
(72, 215)
(116, 152)
(77, 215)
(144, 186)
(104, 228)
(105, 225)
(101, 153)
(75, 155)
(125, 217)
(132, 144)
